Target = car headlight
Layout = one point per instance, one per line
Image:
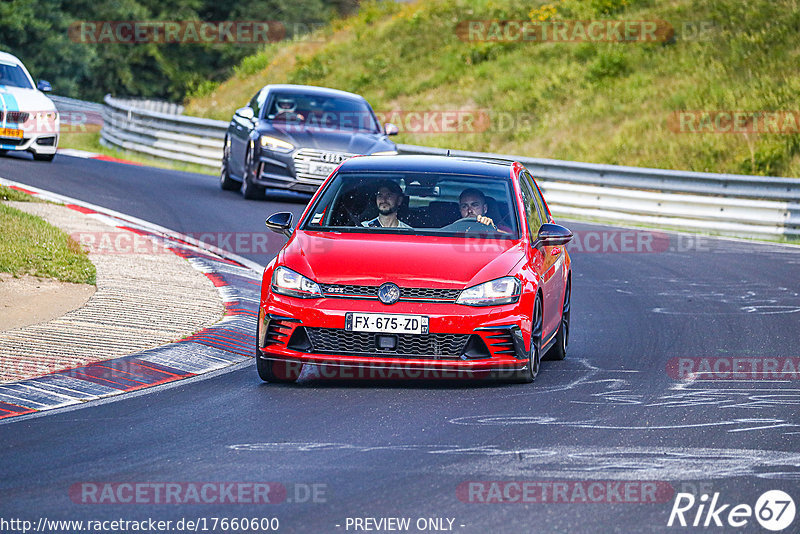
(495, 292)
(278, 145)
(385, 153)
(287, 282)
(46, 115)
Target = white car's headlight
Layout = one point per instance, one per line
(46, 115)
(278, 145)
(495, 292)
(287, 282)
(385, 153)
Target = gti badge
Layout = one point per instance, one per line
(389, 293)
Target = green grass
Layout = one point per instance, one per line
(595, 102)
(32, 246)
(7, 193)
(90, 142)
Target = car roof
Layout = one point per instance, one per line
(9, 58)
(431, 164)
(312, 90)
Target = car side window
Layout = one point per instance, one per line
(537, 197)
(257, 102)
(537, 194)
(531, 211)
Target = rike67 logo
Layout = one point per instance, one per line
(774, 510)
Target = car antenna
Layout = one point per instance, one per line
(448, 153)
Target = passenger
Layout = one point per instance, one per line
(389, 198)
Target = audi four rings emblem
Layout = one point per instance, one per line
(332, 157)
(389, 293)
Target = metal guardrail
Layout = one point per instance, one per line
(164, 135)
(77, 112)
(159, 106)
(727, 204)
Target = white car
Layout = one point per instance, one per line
(28, 119)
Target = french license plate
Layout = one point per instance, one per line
(386, 323)
(11, 132)
(322, 169)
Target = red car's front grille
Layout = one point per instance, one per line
(500, 343)
(406, 293)
(435, 346)
(276, 332)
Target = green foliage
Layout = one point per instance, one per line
(38, 31)
(252, 64)
(309, 69)
(609, 7)
(200, 88)
(612, 63)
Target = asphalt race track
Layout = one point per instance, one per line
(607, 438)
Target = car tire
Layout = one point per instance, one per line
(250, 191)
(559, 350)
(3, 151)
(43, 157)
(226, 183)
(278, 371)
(527, 375)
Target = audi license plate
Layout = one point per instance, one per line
(386, 323)
(322, 169)
(11, 132)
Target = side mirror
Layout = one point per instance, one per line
(281, 223)
(44, 86)
(551, 235)
(245, 113)
(391, 129)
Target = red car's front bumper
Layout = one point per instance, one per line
(460, 338)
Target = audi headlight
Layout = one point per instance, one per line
(495, 292)
(287, 282)
(385, 153)
(275, 144)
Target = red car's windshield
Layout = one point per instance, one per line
(416, 203)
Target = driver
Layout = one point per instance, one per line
(389, 198)
(472, 203)
(287, 109)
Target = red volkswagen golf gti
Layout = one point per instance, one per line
(418, 263)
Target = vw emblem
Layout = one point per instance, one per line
(389, 293)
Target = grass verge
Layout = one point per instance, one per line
(32, 246)
(8, 193)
